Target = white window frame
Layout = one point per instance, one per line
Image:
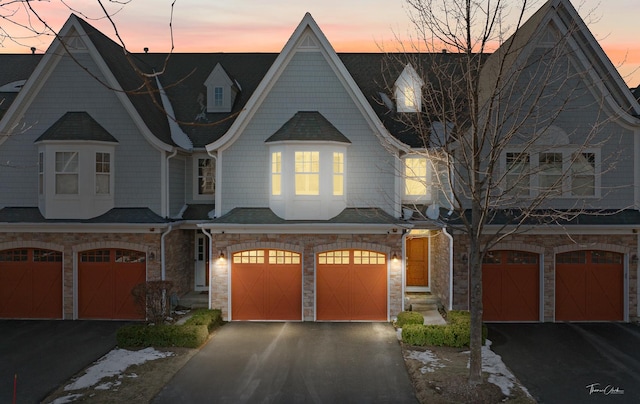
(103, 174)
(218, 96)
(41, 164)
(426, 179)
(70, 157)
(276, 173)
(566, 188)
(196, 178)
(306, 173)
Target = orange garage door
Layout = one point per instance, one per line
(511, 286)
(589, 286)
(30, 283)
(351, 285)
(105, 280)
(266, 285)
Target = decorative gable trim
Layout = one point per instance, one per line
(11, 121)
(307, 31)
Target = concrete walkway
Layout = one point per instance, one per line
(427, 305)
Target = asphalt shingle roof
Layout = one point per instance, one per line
(113, 216)
(308, 125)
(265, 216)
(77, 126)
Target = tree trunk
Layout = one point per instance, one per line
(475, 306)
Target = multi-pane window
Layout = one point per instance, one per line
(368, 257)
(218, 96)
(249, 257)
(103, 173)
(583, 174)
(415, 173)
(206, 176)
(307, 173)
(409, 95)
(517, 174)
(334, 257)
(550, 172)
(40, 173)
(283, 257)
(338, 173)
(276, 173)
(96, 256)
(66, 172)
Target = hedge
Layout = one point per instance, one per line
(409, 317)
(192, 334)
(456, 333)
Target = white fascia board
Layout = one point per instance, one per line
(276, 69)
(569, 229)
(306, 228)
(153, 228)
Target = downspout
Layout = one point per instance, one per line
(162, 252)
(404, 268)
(168, 205)
(450, 237)
(210, 237)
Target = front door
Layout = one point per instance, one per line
(202, 263)
(417, 264)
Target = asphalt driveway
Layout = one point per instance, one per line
(295, 362)
(572, 362)
(45, 354)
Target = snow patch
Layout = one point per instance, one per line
(428, 359)
(113, 364)
(66, 399)
(498, 372)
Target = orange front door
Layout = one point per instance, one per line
(510, 286)
(418, 262)
(105, 281)
(30, 283)
(589, 286)
(266, 285)
(351, 285)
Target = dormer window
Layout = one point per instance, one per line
(221, 90)
(408, 91)
(307, 167)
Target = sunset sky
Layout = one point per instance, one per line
(265, 26)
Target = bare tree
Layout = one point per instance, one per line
(489, 121)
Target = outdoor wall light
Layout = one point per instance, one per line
(152, 256)
(221, 255)
(634, 259)
(394, 257)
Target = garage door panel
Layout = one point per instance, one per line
(105, 280)
(510, 286)
(29, 287)
(266, 285)
(589, 286)
(351, 285)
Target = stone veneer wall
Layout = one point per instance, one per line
(72, 243)
(308, 245)
(548, 246)
(439, 266)
(179, 253)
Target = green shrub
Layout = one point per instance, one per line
(193, 333)
(409, 317)
(210, 318)
(456, 333)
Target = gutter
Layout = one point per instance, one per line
(450, 237)
(162, 252)
(210, 237)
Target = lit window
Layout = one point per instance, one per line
(550, 175)
(66, 173)
(103, 173)
(217, 96)
(40, 173)
(338, 173)
(409, 95)
(415, 173)
(206, 176)
(517, 173)
(307, 173)
(583, 174)
(276, 173)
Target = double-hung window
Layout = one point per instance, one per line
(517, 174)
(338, 173)
(206, 176)
(415, 177)
(103, 173)
(550, 173)
(66, 172)
(583, 174)
(307, 173)
(276, 173)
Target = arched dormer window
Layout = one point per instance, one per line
(408, 90)
(307, 168)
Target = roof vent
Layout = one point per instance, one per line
(33, 50)
(444, 51)
(146, 50)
